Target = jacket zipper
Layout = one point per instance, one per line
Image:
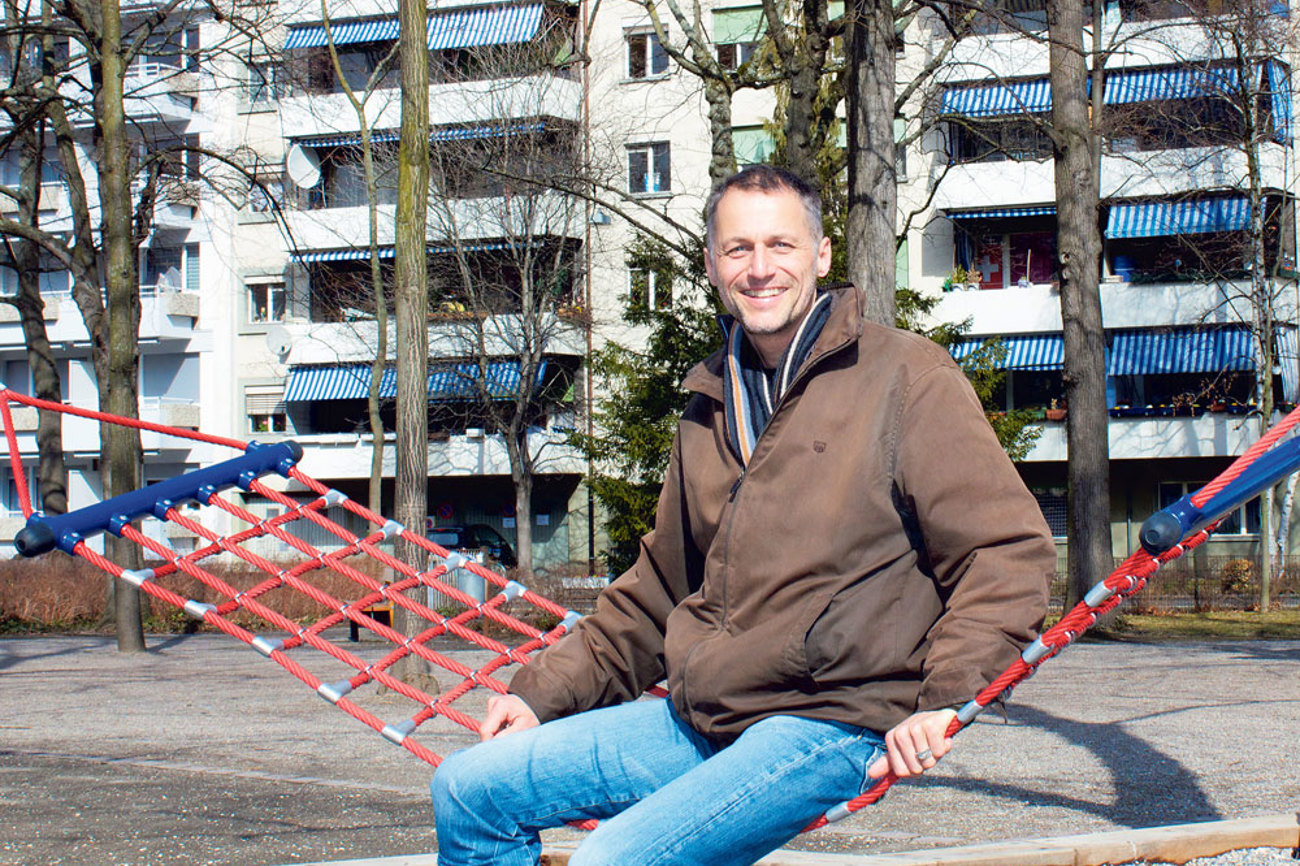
(735, 488)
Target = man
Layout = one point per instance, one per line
(841, 549)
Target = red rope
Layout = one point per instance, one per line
(471, 623)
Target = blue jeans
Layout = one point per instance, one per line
(662, 792)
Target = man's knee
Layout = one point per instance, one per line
(459, 783)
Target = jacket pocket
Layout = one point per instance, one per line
(872, 629)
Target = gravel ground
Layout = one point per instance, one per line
(1247, 857)
(201, 751)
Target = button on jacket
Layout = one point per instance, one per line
(878, 556)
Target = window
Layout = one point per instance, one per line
(264, 407)
(263, 83)
(646, 57)
(751, 144)
(648, 168)
(731, 56)
(267, 301)
(1021, 254)
(11, 504)
(1053, 502)
(1244, 520)
(265, 195)
(650, 290)
(736, 32)
(1017, 139)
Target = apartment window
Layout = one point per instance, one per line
(1053, 502)
(650, 290)
(263, 83)
(11, 505)
(646, 57)
(648, 168)
(1244, 520)
(736, 33)
(732, 56)
(267, 301)
(264, 408)
(266, 195)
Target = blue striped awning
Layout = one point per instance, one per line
(343, 33)
(1024, 352)
(450, 133)
(1186, 350)
(991, 100)
(354, 254)
(1279, 85)
(1164, 218)
(1145, 85)
(447, 382)
(335, 382)
(1288, 359)
(492, 25)
(459, 28)
(1003, 212)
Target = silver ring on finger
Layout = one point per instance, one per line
(924, 755)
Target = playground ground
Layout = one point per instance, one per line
(203, 752)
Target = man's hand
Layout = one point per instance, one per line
(506, 714)
(915, 745)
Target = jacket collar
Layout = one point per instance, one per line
(843, 326)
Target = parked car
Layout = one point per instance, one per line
(473, 538)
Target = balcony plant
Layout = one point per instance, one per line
(1055, 412)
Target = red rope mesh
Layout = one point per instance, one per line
(508, 611)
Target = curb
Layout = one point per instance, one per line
(1176, 843)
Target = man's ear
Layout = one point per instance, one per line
(708, 267)
(824, 257)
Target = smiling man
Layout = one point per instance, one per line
(842, 554)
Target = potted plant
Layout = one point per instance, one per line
(1055, 412)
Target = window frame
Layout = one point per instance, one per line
(267, 285)
(650, 151)
(645, 56)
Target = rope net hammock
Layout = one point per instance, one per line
(518, 616)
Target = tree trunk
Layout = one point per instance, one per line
(51, 472)
(411, 293)
(805, 67)
(722, 161)
(118, 371)
(873, 188)
(1079, 242)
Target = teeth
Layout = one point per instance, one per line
(763, 293)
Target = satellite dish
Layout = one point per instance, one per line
(278, 341)
(303, 166)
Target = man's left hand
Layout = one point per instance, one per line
(915, 744)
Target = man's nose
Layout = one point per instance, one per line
(760, 263)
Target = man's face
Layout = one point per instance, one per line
(765, 264)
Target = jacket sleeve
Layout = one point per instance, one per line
(617, 653)
(985, 541)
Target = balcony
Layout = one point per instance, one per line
(342, 456)
(546, 95)
(1144, 438)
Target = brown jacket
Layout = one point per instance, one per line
(880, 554)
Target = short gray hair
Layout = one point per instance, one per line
(766, 178)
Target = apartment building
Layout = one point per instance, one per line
(259, 312)
(1190, 110)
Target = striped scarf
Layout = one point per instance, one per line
(751, 392)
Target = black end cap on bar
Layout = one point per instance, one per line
(35, 539)
(1160, 532)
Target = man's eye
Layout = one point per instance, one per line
(736, 251)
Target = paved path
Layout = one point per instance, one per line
(201, 751)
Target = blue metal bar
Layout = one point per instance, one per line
(1170, 525)
(43, 533)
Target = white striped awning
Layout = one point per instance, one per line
(492, 25)
(1024, 351)
(1183, 350)
(458, 28)
(354, 254)
(448, 133)
(991, 100)
(343, 33)
(1003, 212)
(1278, 77)
(1165, 218)
(447, 382)
(1288, 359)
(1145, 85)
